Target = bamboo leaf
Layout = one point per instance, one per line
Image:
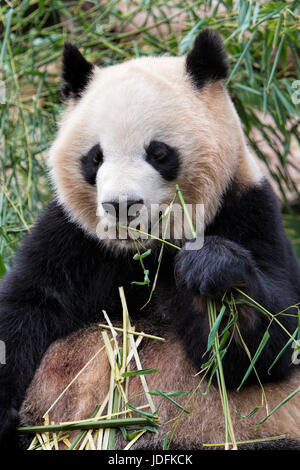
(252, 412)
(144, 413)
(278, 406)
(260, 348)
(282, 350)
(242, 55)
(2, 267)
(215, 327)
(165, 442)
(168, 397)
(229, 325)
(138, 256)
(176, 393)
(275, 61)
(139, 372)
(188, 40)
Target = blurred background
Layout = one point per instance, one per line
(262, 39)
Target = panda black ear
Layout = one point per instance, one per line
(207, 60)
(76, 72)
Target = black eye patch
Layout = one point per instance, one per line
(164, 159)
(90, 164)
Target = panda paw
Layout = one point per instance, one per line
(8, 423)
(219, 265)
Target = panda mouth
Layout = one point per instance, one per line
(123, 230)
(141, 228)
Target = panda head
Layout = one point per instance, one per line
(132, 131)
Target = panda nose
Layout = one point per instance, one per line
(120, 209)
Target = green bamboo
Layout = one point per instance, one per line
(112, 423)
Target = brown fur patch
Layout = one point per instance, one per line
(205, 424)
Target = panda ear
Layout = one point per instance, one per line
(76, 72)
(207, 60)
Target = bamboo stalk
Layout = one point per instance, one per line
(142, 377)
(125, 329)
(132, 332)
(105, 424)
(221, 381)
(106, 416)
(98, 415)
(264, 439)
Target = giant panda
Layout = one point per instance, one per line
(132, 132)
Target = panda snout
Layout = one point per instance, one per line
(124, 210)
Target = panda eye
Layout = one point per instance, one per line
(97, 159)
(158, 151)
(90, 163)
(164, 159)
(96, 154)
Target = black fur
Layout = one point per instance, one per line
(164, 159)
(278, 444)
(244, 246)
(76, 72)
(207, 61)
(90, 164)
(62, 279)
(219, 265)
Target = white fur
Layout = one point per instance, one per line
(125, 107)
